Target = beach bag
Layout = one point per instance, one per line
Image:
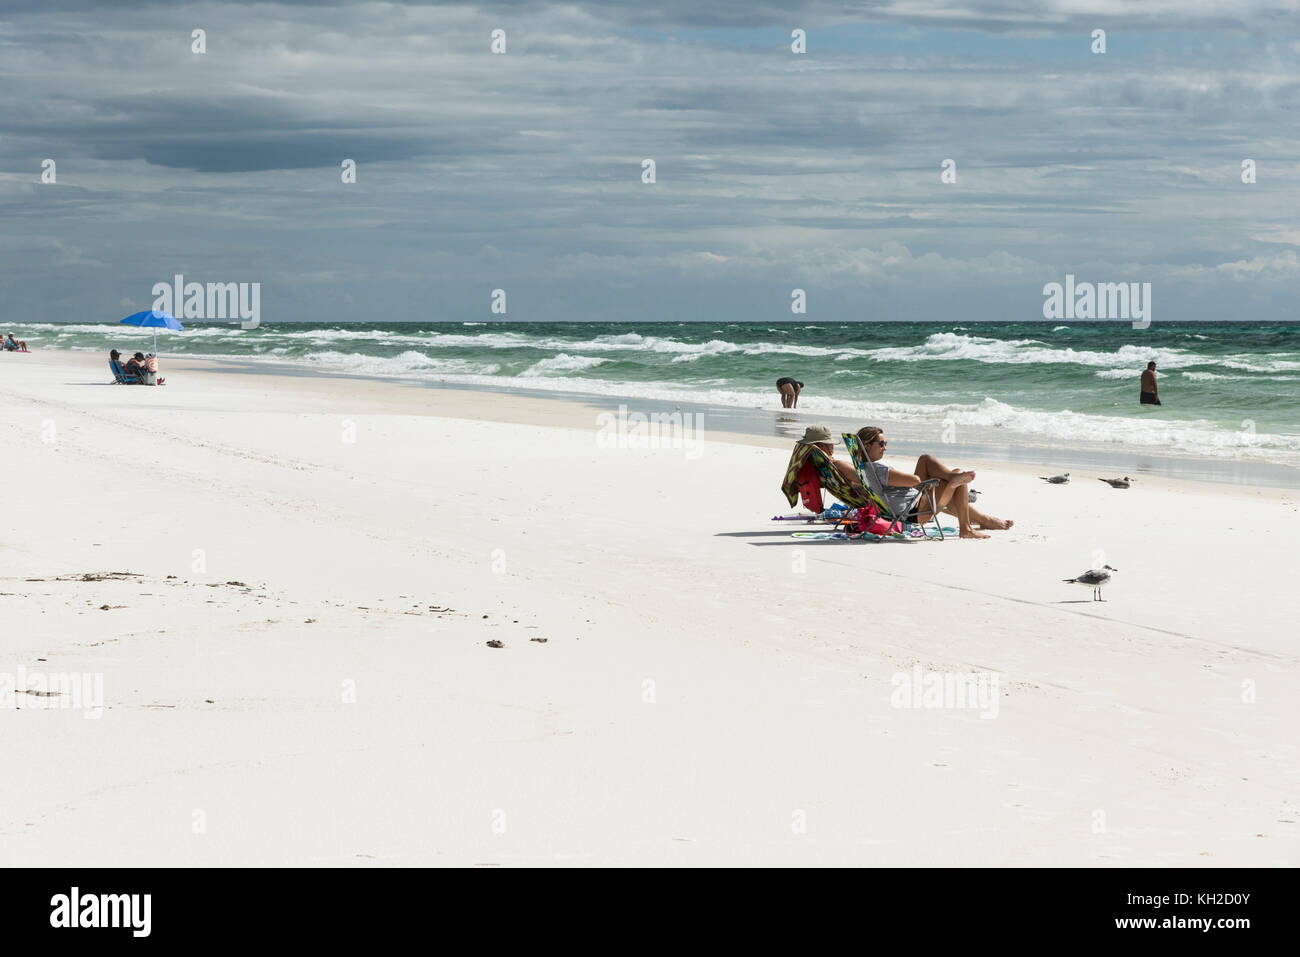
(870, 520)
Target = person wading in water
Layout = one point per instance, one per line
(1150, 394)
(789, 389)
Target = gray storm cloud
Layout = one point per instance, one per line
(523, 170)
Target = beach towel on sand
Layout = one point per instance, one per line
(831, 480)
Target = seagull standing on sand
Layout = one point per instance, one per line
(1094, 578)
(1057, 479)
(1117, 483)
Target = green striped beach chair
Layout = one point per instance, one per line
(795, 484)
(876, 489)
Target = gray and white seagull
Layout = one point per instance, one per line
(1094, 578)
(1056, 479)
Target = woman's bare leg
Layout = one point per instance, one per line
(928, 467)
(989, 521)
(953, 479)
(959, 507)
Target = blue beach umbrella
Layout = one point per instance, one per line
(157, 320)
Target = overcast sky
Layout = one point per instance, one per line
(523, 171)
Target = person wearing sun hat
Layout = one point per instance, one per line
(817, 435)
(820, 437)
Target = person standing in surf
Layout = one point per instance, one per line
(789, 389)
(1150, 394)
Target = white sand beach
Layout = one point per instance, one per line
(288, 584)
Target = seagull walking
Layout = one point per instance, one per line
(1094, 578)
(1056, 479)
(1125, 482)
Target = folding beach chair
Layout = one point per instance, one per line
(811, 470)
(876, 489)
(121, 376)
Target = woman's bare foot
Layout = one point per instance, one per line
(971, 533)
(997, 524)
(962, 478)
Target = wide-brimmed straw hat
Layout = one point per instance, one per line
(816, 435)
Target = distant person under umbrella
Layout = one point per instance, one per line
(12, 345)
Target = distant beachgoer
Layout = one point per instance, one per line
(789, 389)
(135, 366)
(1150, 394)
(115, 358)
(15, 345)
(952, 496)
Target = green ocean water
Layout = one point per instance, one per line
(1229, 388)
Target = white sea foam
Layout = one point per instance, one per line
(942, 346)
(327, 335)
(114, 329)
(562, 363)
(999, 419)
(1215, 376)
(404, 364)
(1264, 364)
(948, 346)
(1196, 436)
